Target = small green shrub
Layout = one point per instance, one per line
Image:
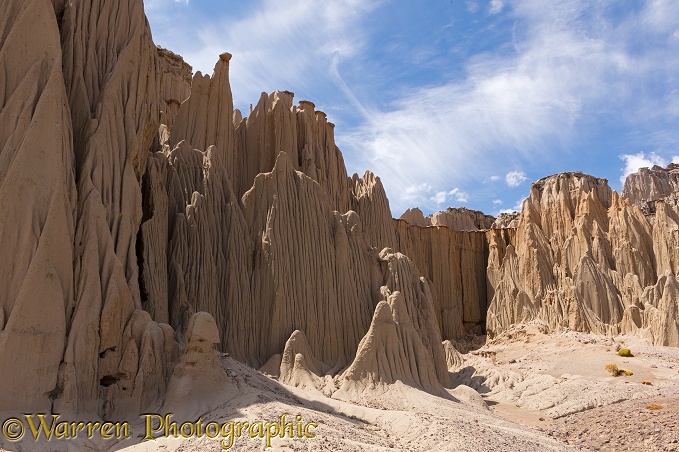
(613, 368)
(626, 352)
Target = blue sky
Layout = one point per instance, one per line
(457, 102)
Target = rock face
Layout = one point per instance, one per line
(455, 218)
(83, 98)
(649, 185)
(584, 258)
(148, 221)
(455, 264)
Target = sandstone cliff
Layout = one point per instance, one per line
(584, 258)
(651, 184)
(137, 200)
(80, 108)
(455, 218)
(147, 221)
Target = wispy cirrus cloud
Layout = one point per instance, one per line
(554, 78)
(569, 63)
(455, 195)
(279, 45)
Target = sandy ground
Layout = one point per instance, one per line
(537, 392)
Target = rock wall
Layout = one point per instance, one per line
(455, 264)
(80, 111)
(455, 218)
(651, 184)
(584, 258)
(141, 210)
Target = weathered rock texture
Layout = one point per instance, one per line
(584, 258)
(651, 184)
(147, 221)
(455, 218)
(455, 264)
(79, 111)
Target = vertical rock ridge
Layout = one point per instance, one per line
(454, 262)
(37, 212)
(584, 258)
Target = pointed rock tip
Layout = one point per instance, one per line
(226, 56)
(283, 162)
(382, 313)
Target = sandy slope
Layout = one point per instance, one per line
(543, 392)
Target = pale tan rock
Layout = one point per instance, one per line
(199, 382)
(454, 359)
(651, 184)
(391, 351)
(469, 396)
(38, 208)
(298, 365)
(584, 258)
(454, 262)
(455, 218)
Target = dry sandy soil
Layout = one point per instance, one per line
(532, 392)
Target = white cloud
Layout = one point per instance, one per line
(415, 192)
(456, 194)
(515, 178)
(497, 202)
(496, 6)
(275, 46)
(635, 161)
(494, 178)
(515, 104)
(439, 197)
(517, 207)
(459, 195)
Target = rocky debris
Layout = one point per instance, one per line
(455, 218)
(628, 425)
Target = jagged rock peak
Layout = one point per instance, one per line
(582, 257)
(455, 218)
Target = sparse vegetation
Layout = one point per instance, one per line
(626, 352)
(654, 406)
(616, 371)
(646, 382)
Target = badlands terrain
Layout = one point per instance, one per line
(169, 254)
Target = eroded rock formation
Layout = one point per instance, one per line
(148, 221)
(455, 218)
(584, 258)
(651, 184)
